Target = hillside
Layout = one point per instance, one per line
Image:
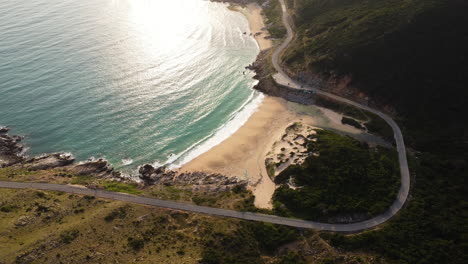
(406, 54)
(55, 227)
(409, 56)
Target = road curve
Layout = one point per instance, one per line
(189, 207)
(282, 78)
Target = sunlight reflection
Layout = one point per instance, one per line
(165, 24)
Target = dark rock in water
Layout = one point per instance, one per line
(10, 150)
(49, 161)
(4, 130)
(99, 168)
(150, 175)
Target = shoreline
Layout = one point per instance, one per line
(255, 137)
(253, 13)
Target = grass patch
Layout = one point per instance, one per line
(13, 173)
(121, 187)
(82, 180)
(68, 236)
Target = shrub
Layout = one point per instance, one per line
(136, 244)
(120, 212)
(68, 236)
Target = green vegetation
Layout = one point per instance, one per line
(136, 244)
(82, 180)
(408, 55)
(352, 122)
(271, 170)
(68, 236)
(331, 32)
(345, 178)
(431, 229)
(146, 234)
(378, 126)
(291, 258)
(121, 187)
(245, 244)
(273, 21)
(120, 212)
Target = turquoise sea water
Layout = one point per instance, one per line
(134, 81)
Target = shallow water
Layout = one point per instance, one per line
(134, 81)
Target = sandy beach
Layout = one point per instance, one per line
(253, 13)
(243, 154)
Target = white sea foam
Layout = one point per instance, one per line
(237, 120)
(126, 162)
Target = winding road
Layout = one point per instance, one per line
(282, 79)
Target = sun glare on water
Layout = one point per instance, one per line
(165, 24)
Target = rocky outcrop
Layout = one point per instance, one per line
(10, 149)
(150, 175)
(10, 155)
(96, 167)
(48, 161)
(196, 181)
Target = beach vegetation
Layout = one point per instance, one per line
(345, 179)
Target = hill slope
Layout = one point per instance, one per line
(410, 55)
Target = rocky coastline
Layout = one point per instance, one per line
(12, 156)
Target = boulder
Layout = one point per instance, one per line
(4, 130)
(150, 175)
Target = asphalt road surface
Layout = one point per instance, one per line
(190, 207)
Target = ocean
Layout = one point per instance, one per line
(133, 81)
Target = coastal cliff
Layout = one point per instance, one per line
(12, 156)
